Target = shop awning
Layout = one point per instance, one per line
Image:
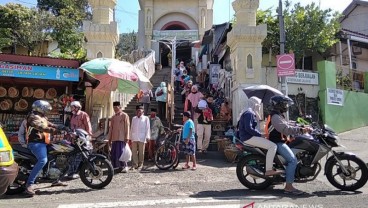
(89, 80)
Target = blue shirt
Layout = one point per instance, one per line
(247, 125)
(189, 124)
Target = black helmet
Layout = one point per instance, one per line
(41, 106)
(281, 103)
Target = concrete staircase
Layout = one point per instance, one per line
(156, 79)
(162, 75)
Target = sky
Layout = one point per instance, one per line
(127, 10)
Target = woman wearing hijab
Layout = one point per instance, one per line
(192, 100)
(249, 134)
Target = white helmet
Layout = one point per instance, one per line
(76, 104)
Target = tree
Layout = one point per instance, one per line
(22, 26)
(69, 16)
(5, 40)
(310, 29)
(271, 44)
(127, 43)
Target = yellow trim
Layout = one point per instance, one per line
(6, 147)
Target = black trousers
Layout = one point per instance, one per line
(161, 110)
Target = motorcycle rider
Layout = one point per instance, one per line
(249, 134)
(38, 136)
(279, 129)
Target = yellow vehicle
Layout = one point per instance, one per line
(8, 168)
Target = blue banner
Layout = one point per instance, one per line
(39, 72)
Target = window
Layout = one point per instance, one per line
(99, 55)
(308, 64)
(249, 62)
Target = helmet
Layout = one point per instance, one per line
(76, 104)
(41, 106)
(281, 103)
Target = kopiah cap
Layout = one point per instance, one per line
(117, 103)
(187, 114)
(139, 107)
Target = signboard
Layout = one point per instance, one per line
(190, 35)
(285, 65)
(39, 72)
(335, 96)
(307, 78)
(215, 73)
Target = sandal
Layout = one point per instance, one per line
(185, 167)
(194, 168)
(294, 192)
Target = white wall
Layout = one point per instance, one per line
(270, 78)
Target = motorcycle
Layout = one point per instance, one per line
(344, 170)
(95, 170)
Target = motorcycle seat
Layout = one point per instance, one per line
(19, 148)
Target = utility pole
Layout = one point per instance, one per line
(282, 44)
(284, 88)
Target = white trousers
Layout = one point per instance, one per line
(265, 144)
(204, 135)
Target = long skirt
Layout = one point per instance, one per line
(117, 149)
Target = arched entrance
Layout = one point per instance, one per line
(183, 50)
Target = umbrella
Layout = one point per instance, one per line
(263, 92)
(116, 75)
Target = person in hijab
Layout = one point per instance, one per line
(192, 100)
(249, 134)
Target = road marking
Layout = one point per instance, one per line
(184, 203)
(148, 203)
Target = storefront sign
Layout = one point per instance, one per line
(190, 35)
(335, 97)
(308, 78)
(39, 72)
(215, 73)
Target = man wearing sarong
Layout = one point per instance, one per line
(118, 136)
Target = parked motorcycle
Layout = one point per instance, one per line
(344, 170)
(95, 170)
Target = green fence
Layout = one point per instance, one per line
(342, 115)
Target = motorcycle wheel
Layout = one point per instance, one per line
(166, 156)
(18, 186)
(358, 173)
(103, 173)
(248, 180)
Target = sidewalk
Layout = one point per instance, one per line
(356, 141)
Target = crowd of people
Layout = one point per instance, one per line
(200, 110)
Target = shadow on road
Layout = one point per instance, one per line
(335, 193)
(41, 191)
(268, 194)
(68, 191)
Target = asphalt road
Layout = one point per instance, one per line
(213, 184)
